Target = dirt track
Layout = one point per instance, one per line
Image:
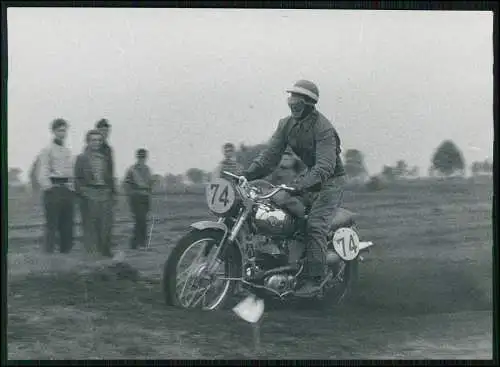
(424, 292)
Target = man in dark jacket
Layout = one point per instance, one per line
(229, 163)
(315, 141)
(138, 187)
(94, 185)
(104, 128)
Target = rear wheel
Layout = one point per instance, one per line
(337, 290)
(187, 280)
(344, 278)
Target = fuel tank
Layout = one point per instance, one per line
(273, 221)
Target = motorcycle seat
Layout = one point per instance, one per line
(342, 216)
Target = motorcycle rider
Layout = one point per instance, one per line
(312, 137)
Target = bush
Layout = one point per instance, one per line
(375, 183)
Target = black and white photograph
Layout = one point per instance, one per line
(223, 183)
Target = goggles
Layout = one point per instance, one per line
(297, 100)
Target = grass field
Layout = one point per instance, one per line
(425, 291)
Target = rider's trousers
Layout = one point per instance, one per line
(323, 206)
(318, 223)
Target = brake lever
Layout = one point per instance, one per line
(291, 190)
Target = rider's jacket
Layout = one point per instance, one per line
(314, 140)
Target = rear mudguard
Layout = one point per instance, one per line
(364, 245)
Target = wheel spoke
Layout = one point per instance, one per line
(194, 287)
(187, 272)
(185, 286)
(193, 296)
(204, 295)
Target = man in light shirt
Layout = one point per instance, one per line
(55, 177)
(138, 187)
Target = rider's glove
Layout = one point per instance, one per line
(252, 173)
(298, 191)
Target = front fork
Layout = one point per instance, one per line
(214, 261)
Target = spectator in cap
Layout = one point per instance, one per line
(138, 187)
(104, 128)
(229, 162)
(94, 185)
(54, 173)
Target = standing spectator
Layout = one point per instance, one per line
(229, 162)
(94, 184)
(104, 128)
(138, 187)
(55, 172)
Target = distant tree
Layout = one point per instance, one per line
(414, 171)
(171, 179)
(487, 167)
(158, 183)
(401, 169)
(388, 172)
(448, 159)
(195, 175)
(482, 168)
(13, 176)
(354, 164)
(476, 168)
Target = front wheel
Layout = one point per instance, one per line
(187, 280)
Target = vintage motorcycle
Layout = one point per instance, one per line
(255, 246)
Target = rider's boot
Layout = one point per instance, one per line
(308, 286)
(310, 282)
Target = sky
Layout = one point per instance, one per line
(182, 82)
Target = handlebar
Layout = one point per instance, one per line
(243, 182)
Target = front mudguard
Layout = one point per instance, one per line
(208, 224)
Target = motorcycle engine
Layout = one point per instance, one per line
(273, 221)
(280, 282)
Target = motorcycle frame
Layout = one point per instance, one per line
(230, 237)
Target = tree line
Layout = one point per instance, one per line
(447, 160)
